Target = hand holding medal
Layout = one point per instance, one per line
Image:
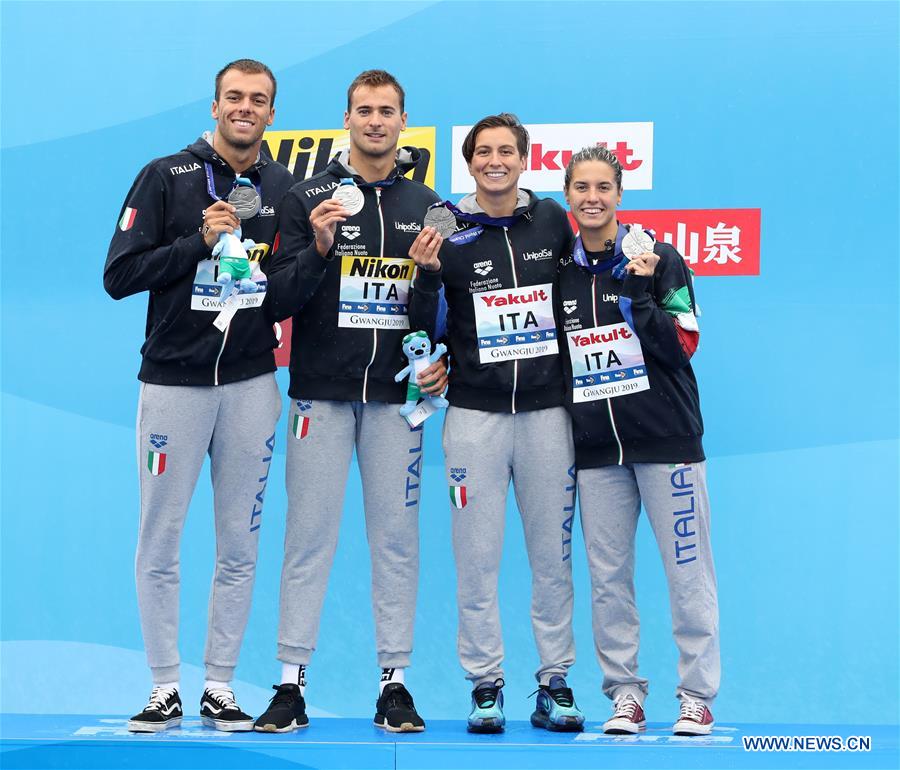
(217, 219)
(637, 245)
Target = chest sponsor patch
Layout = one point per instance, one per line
(607, 362)
(515, 323)
(374, 292)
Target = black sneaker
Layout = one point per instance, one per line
(162, 711)
(286, 712)
(218, 709)
(396, 712)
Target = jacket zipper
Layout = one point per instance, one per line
(374, 331)
(512, 262)
(218, 357)
(609, 401)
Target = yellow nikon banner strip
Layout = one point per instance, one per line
(305, 153)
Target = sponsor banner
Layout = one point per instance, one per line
(374, 292)
(552, 146)
(607, 362)
(515, 323)
(305, 153)
(712, 241)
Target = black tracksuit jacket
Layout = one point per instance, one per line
(330, 361)
(157, 248)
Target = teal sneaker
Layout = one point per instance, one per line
(487, 709)
(556, 709)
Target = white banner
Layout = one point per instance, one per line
(552, 146)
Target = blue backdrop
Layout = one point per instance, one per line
(791, 108)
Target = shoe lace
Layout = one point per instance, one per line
(399, 696)
(224, 697)
(625, 707)
(563, 696)
(158, 698)
(283, 694)
(692, 709)
(486, 694)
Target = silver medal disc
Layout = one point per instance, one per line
(636, 242)
(441, 219)
(245, 200)
(350, 196)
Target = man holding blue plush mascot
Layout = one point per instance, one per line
(344, 270)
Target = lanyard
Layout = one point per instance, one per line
(241, 181)
(617, 261)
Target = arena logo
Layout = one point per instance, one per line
(553, 144)
(308, 152)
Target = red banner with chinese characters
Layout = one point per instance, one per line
(712, 241)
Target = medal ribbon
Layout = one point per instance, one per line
(238, 181)
(617, 261)
(480, 219)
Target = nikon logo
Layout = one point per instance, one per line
(535, 255)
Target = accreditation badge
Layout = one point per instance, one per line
(607, 362)
(515, 323)
(374, 292)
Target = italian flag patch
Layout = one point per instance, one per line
(458, 497)
(156, 463)
(300, 426)
(127, 219)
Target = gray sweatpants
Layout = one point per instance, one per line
(176, 427)
(677, 506)
(484, 450)
(321, 437)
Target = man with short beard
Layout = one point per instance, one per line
(206, 388)
(342, 270)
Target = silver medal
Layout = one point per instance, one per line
(350, 197)
(441, 219)
(245, 200)
(636, 242)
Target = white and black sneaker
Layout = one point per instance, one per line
(162, 711)
(218, 709)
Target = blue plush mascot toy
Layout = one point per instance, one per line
(416, 346)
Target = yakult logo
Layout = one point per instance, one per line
(552, 147)
(515, 299)
(592, 338)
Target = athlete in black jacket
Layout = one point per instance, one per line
(630, 331)
(506, 419)
(345, 277)
(205, 389)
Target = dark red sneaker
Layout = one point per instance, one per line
(627, 718)
(694, 719)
